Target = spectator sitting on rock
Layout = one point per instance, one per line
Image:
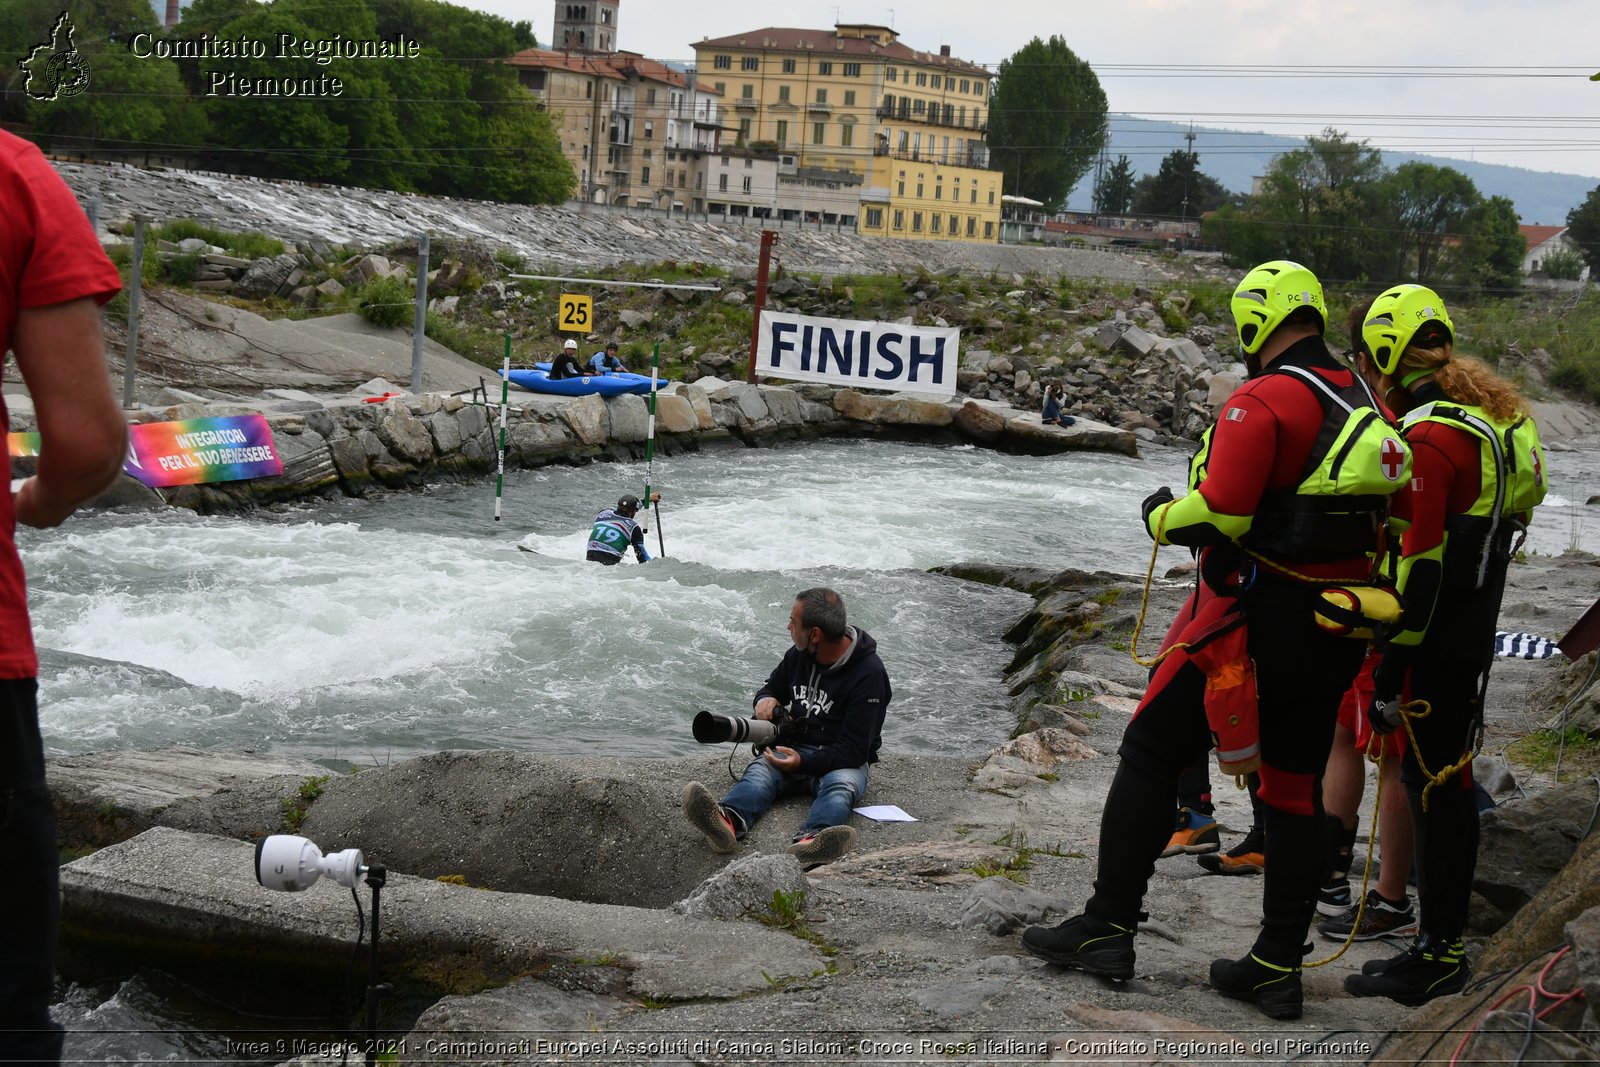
(565, 365)
(606, 361)
(1054, 394)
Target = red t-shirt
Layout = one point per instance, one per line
(48, 255)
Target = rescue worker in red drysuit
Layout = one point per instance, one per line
(1478, 471)
(1289, 489)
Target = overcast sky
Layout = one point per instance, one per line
(1494, 80)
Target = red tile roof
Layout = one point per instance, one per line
(828, 42)
(1538, 235)
(615, 65)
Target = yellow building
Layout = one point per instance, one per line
(854, 98)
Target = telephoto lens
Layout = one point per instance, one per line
(712, 729)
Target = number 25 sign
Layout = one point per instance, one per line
(577, 313)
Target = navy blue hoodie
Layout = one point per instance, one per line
(838, 709)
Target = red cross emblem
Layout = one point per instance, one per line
(1392, 458)
(1538, 468)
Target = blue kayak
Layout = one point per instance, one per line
(637, 383)
(538, 380)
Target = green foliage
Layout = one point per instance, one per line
(1114, 194)
(1047, 120)
(296, 807)
(1427, 207)
(249, 245)
(483, 346)
(387, 302)
(1178, 189)
(1583, 229)
(1493, 248)
(1577, 752)
(1563, 264)
(180, 270)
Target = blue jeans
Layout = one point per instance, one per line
(836, 793)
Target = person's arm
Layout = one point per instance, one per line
(638, 544)
(863, 722)
(776, 691)
(83, 436)
(1244, 444)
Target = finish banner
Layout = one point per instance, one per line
(160, 454)
(863, 355)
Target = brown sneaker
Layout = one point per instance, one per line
(707, 816)
(824, 846)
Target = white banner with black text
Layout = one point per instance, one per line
(862, 355)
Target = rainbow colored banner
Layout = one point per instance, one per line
(229, 448)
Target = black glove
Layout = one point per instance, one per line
(1153, 501)
(1383, 714)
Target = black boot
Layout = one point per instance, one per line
(1086, 943)
(1273, 988)
(1430, 968)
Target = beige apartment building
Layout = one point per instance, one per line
(854, 99)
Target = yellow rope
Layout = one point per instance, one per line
(1372, 841)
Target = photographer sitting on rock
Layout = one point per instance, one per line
(835, 691)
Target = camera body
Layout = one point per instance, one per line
(709, 728)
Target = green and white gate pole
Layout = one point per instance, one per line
(500, 462)
(650, 446)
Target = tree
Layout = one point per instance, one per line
(1583, 229)
(1493, 250)
(1047, 120)
(1316, 206)
(1114, 194)
(1429, 208)
(1178, 189)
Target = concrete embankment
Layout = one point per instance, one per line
(360, 443)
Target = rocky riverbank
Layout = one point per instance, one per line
(564, 900)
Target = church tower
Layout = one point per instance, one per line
(585, 26)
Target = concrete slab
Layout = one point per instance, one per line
(195, 892)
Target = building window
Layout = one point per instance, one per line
(972, 225)
(901, 188)
(954, 222)
(965, 86)
(847, 135)
(922, 77)
(916, 222)
(747, 184)
(644, 175)
(938, 189)
(650, 96)
(649, 133)
(849, 98)
(889, 73)
(722, 183)
(722, 62)
(747, 92)
(852, 70)
(724, 161)
(744, 134)
(721, 88)
(750, 63)
(647, 155)
(988, 231)
(788, 66)
(919, 107)
(991, 198)
(825, 68)
(817, 132)
(919, 190)
(585, 152)
(949, 84)
(822, 96)
(974, 194)
(934, 223)
(783, 131)
(874, 218)
(749, 163)
(783, 94)
(899, 220)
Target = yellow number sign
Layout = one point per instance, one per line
(577, 313)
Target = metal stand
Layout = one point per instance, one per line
(377, 875)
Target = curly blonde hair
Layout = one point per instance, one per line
(1463, 379)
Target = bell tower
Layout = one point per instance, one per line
(585, 26)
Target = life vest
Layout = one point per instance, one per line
(1512, 482)
(612, 533)
(1356, 464)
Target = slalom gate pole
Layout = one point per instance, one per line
(650, 445)
(500, 461)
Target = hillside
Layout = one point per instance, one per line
(1235, 157)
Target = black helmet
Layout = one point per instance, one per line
(628, 504)
(611, 346)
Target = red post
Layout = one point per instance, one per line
(768, 239)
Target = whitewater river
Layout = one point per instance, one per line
(368, 632)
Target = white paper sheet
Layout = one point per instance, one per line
(884, 813)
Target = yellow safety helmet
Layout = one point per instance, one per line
(1267, 296)
(1396, 316)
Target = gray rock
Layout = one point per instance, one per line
(1000, 905)
(745, 888)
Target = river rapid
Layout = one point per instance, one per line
(369, 631)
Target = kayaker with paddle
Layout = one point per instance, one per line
(615, 531)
